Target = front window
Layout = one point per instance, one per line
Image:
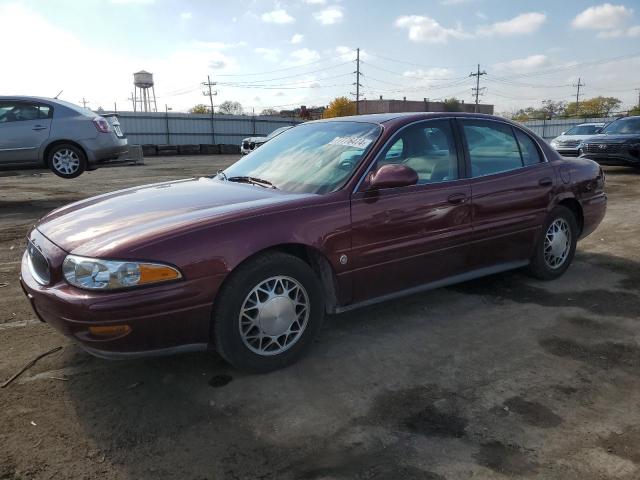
(583, 130)
(630, 125)
(310, 158)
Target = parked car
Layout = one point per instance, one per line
(56, 134)
(617, 144)
(327, 217)
(248, 145)
(567, 143)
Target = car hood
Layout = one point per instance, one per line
(255, 139)
(568, 138)
(616, 138)
(101, 225)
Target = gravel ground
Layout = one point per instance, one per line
(502, 377)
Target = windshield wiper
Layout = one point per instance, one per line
(253, 180)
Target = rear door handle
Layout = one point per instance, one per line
(545, 182)
(39, 127)
(457, 198)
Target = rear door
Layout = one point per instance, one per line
(407, 236)
(511, 188)
(24, 127)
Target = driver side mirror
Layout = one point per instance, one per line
(393, 175)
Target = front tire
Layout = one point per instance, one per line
(556, 246)
(67, 161)
(268, 313)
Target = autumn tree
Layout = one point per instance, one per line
(339, 107)
(594, 107)
(200, 108)
(452, 105)
(230, 107)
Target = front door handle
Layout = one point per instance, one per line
(39, 127)
(457, 198)
(545, 182)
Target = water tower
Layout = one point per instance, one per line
(143, 82)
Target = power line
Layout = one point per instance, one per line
(84, 102)
(478, 74)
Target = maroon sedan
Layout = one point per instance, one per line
(329, 216)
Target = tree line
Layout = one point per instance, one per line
(591, 107)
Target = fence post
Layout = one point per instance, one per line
(544, 127)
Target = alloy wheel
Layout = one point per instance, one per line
(66, 161)
(274, 315)
(557, 243)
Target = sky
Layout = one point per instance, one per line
(286, 53)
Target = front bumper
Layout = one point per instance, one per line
(622, 158)
(163, 319)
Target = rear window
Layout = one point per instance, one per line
(492, 147)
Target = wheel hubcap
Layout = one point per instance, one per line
(557, 243)
(274, 315)
(66, 161)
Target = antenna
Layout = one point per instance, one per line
(58, 94)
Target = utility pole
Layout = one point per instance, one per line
(210, 93)
(84, 102)
(166, 116)
(476, 90)
(580, 84)
(357, 84)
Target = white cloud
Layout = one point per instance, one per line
(527, 64)
(347, 53)
(523, 24)
(329, 16)
(133, 2)
(621, 32)
(426, 29)
(297, 38)
(186, 15)
(216, 45)
(279, 15)
(603, 17)
(269, 54)
(302, 56)
(315, 2)
(436, 73)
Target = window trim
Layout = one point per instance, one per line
(467, 158)
(389, 143)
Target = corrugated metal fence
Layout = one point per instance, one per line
(549, 129)
(185, 128)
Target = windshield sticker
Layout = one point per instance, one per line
(355, 142)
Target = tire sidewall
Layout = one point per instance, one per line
(540, 267)
(81, 168)
(226, 330)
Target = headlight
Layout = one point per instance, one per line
(554, 144)
(97, 274)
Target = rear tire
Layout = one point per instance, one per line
(556, 246)
(67, 161)
(268, 313)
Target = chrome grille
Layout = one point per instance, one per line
(38, 264)
(602, 147)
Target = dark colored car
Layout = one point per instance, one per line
(617, 144)
(328, 216)
(249, 144)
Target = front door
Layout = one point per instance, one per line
(24, 127)
(408, 236)
(511, 188)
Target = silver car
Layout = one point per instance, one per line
(56, 134)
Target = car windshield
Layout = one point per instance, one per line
(310, 158)
(583, 130)
(624, 125)
(277, 132)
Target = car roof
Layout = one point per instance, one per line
(597, 124)
(55, 101)
(381, 118)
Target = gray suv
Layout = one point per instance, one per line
(56, 134)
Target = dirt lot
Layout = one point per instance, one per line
(503, 377)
